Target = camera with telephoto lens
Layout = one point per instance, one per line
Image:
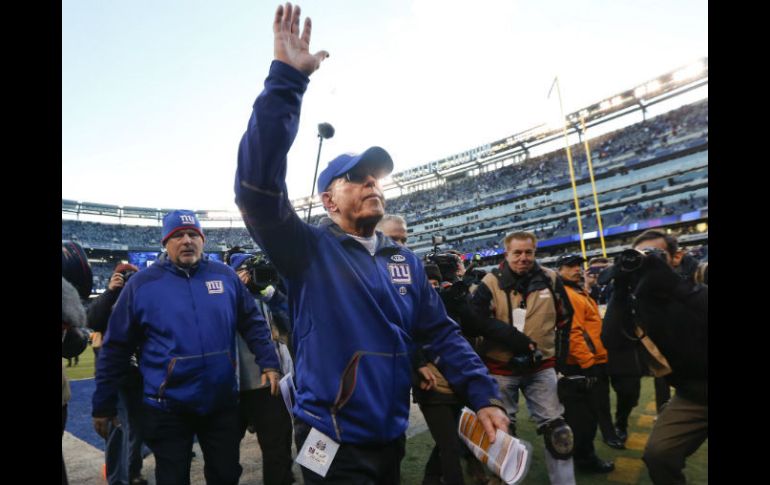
(262, 273)
(447, 262)
(631, 260)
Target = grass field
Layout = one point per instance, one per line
(85, 367)
(629, 467)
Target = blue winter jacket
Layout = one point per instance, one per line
(185, 329)
(357, 317)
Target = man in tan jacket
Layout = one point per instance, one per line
(532, 299)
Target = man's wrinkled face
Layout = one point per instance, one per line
(658, 243)
(520, 255)
(185, 248)
(356, 202)
(396, 231)
(572, 272)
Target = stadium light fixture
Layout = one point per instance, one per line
(605, 105)
(325, 130)
(640, 92)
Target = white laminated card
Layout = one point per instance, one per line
(519, 317)
(317, 452)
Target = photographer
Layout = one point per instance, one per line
(438, 402)
(586, 374)
(599, 291)
(123, 450)
(673, 313)
(259, 411)
(531, 299)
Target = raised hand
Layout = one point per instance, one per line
(291, 47)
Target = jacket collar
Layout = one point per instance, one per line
(508, 279)
(383, 241)
(164, 261)
(575, 286)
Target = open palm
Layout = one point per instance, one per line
(291, 47)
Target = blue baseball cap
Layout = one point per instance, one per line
(374, 156)
(178, 220)
(237, 259)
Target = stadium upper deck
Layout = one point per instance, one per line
(650, 173)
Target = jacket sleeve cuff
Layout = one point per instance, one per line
(493, 402)
(287, 75)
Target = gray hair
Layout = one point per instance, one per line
(390, 217)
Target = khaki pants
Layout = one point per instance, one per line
(681, 428)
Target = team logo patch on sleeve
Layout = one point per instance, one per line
(215, 287)
(400, 273)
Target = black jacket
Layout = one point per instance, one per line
(673, 311)
(624, 353)
(100, 309)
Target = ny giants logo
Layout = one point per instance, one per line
(215, 287)
(400, 273)
(187, 219)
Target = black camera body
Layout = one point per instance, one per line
(262, 273)
(127, 274)
(447, 262)
(632, 260)
(530, 360)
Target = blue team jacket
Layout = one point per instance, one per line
(185, 329)
(357, 317)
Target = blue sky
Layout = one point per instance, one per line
(156, 95)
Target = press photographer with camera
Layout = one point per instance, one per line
(585, 380)
(438, 402)
(666, 316)
(261, 412)
(123, 449)
(532, 299)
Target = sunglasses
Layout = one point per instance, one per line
(358, 175)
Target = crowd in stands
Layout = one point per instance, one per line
(508, 182)
(551, 169)
(633, 212)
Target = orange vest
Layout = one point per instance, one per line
(586, 327)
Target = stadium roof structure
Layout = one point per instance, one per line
(515, 147)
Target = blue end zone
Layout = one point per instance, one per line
(79, 421)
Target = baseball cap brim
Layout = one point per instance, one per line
(375, 157)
